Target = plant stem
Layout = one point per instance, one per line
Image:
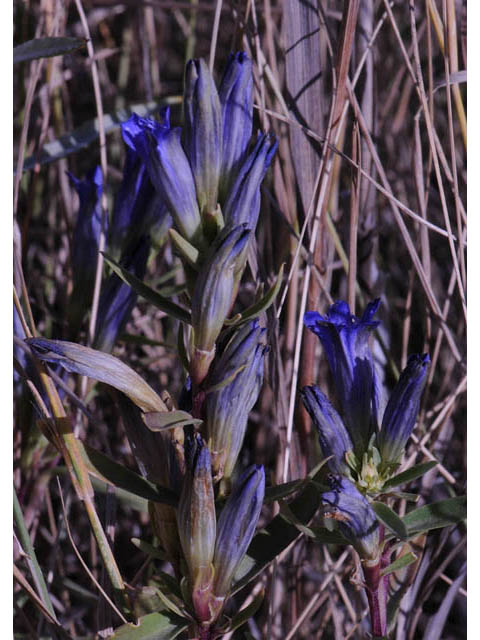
(377, 598)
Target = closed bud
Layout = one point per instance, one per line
(334, 438)
(242, 205)
(203, 133)
(86, 238)
(236, 527)
(197, 524)
(402, 409)
(235, 380)
(118, 298)
(213, 294)
(236, 98)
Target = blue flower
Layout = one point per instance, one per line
(161, 150)
(236, 97)
(213, 294)
(334, 438)
(118, 298)
(236, 379)
(236, 527)
(203, 133)
(402, 409)
(86, 237)
(355, 517)
(345, 340)
(242, 204)
(139, 208)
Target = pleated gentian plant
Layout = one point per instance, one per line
(203, 181)
(364, 449)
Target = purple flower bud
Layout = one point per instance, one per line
(402, 408)
(203, 132)
(196, 508)
(228, 405)
(118, 298)
(334, 438)
(355, 517)
(242, 205)
(197, 525)
(213, 293)
(86, 237)
(236, 527)
(236, 97)
(161, 151)
(345, 340)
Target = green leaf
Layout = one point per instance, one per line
(88, 133)
(46, 48)
(186, 250)
(149, 549)
(325, 536)
(400, 563)
(166, 305)
(390, 519)
(163, 420)
(276, 537)
(245, 614)
(272, 494)
(106, 470)
(154, 626)
(436, 515)
(261, 305)
(410, 474)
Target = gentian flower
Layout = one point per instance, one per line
(203, 133)
(213, 295)
(355, 517)
(118, 298)
(197, 523)
(236, 527)
(242, 204)
(402, 409)
(139, 209)
(236, 98)
(86, 238)
(160, 148)
(345, 340)
(228, 405)
(334, 438)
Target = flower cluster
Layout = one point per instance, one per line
(363, 455)
(203, 181)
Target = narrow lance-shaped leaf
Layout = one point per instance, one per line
(410, 474)
(436, 515)
(166, 305)
(100, 366)
(390, 519)
(46, 48)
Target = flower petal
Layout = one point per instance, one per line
(402, 408)
(334, 438)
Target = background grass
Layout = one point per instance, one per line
(366, 198)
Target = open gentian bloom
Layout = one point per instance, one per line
(334, 438)
(345, 340)
(402, 409)
(161, 150)
(356, 519)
